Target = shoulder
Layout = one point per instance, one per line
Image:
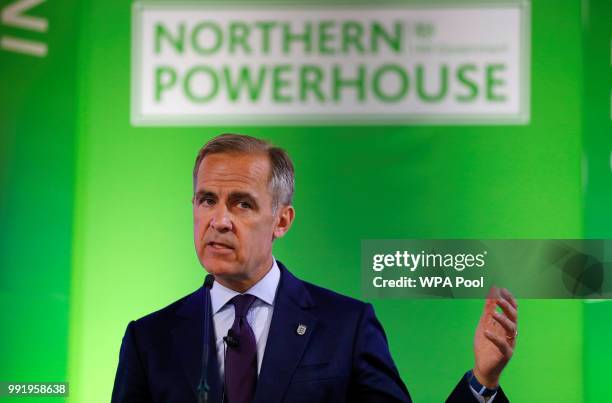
(326, 296)
(340, 308)
(167, 315)
(342, 317)
(319, 296)
(325, 302)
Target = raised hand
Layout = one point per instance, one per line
(495, 337)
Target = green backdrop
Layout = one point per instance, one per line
(96, 215)
(37, 136)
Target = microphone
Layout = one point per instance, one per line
(231, 339)
(204, 387)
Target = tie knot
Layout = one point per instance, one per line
(242, 303)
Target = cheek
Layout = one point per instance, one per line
(260, 237)
(196, 233)
(198, 228)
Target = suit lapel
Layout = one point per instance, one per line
(285, 346)
(187, 342)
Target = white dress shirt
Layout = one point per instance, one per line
(259, 315)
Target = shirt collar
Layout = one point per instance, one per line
(264, 289)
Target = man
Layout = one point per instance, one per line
(276, 338)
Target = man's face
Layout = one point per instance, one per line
(233, 221)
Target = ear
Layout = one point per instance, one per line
(284, 220)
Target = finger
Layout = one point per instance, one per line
(506, 323)
(509, 297)
(493, 293)
(491, 301)
(489, 307)
(500, 343)
(508, 309)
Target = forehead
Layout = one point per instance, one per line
(234, 170)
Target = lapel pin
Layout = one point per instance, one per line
(301, 329)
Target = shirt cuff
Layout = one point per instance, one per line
(482, 399)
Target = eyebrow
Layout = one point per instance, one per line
(243, 196)
(233, 196)
(201, 193)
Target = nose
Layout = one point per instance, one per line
(220, 220)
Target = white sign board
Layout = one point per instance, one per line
(206, 65)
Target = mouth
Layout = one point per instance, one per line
(218, 245)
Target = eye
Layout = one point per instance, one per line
(244, 205)
(206, 201)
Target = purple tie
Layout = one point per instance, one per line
(241, 360)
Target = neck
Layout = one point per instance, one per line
(242, 284)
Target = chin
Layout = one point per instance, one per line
(220, 267)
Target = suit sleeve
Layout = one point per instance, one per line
(463, 394)
(375, 378)
(131, 381)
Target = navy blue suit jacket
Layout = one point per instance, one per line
(342, 357)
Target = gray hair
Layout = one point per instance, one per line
(281, 181)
